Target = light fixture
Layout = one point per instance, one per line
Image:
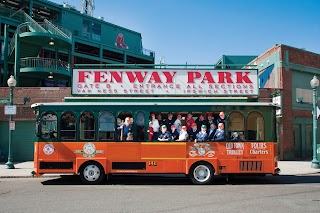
(314, 82)
(50, 75)
(51, 42)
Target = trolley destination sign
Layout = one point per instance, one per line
(165, 82)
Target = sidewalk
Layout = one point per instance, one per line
(24, 169)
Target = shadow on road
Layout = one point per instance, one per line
(183, 180)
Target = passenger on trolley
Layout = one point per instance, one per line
(221, 118)
(178, 121)
(150, 131)
(210, 120)
(125, 128)
(235, 137)
(169, 121)
(155, 126)
(200, 121)
(202, 135)
(189, 121)
(211, 132)
(220, 133)
(183, 135)
(193, 132)
(174, 132)
(165, 135)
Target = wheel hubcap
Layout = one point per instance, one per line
(91, 173)
(201, 173)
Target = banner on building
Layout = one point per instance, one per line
(165, 82)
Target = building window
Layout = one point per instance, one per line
(91, 30)
(86, 126)
(49, 125)
(68, 126)
(255, 126)
(107, 126)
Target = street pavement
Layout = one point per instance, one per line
(24, 169)
(161, 194)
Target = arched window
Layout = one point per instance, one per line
(236, 125)
(140, 125)
(49, 125)
(255, 126)
(107, 126)
(68, 126)
(86, 126)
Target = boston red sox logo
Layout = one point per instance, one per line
(48, 149)
(120, 42)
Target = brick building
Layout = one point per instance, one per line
(287, 71)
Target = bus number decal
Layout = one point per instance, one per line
(152, 163)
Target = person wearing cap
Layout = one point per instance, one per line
(164, 136)
(174, 132)
(169, 121)
(183, 135)
(193, 132)
(155, 126)
(200, 121)
(220, 133)
(212, 130)
(189, 121)
(129, 136)
(150, 131)
(235, 137)
(210, 120)
(202, 135)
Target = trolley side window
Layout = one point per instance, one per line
(255, 126)
(86, 126)
(107, 126)
(48, 123)
(68, 126)
(236, 126)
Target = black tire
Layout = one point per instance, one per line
(92, 173)
(201, 173)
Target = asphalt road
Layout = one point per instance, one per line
(161, 194)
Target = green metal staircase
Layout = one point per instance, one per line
(30, 25)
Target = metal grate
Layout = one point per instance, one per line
(251, 166)
(56, 165)
(129, 165)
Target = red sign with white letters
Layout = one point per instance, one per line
(165, 82)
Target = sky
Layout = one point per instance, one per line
(201, 31)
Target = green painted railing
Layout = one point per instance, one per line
(58, 30)
(148, 52)
(44, 63)
(30, 25)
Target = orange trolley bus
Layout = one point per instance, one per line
(82, 136)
